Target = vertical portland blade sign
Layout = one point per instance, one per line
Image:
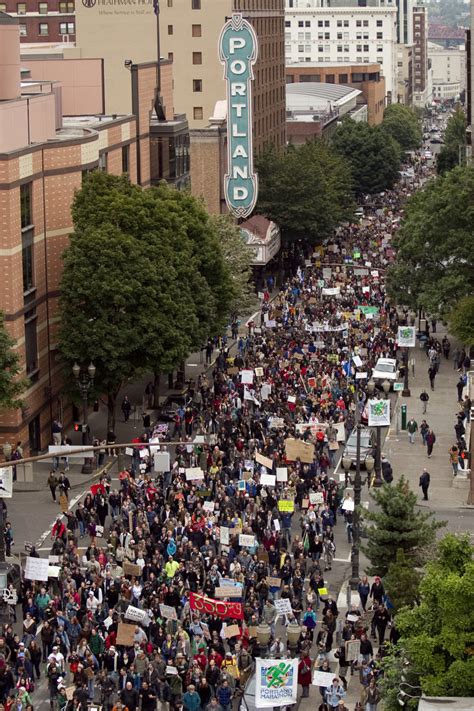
(238, 51)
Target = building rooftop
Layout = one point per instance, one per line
(316, 97)
(438, 31)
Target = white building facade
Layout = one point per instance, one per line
(449, 71)
(343, 35)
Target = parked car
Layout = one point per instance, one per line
(367, 445)
(247, 702)
(385, 369)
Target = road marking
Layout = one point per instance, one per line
(343, 560)
(47, 533)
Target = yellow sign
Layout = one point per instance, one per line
(285, 505)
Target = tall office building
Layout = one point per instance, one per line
(190, 32)
(345, 35)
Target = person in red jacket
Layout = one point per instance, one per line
(304, 673)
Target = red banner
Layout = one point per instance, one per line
(208, 606)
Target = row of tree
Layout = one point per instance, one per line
(308, 190)
(431, 588)
(148, 277)
(435, 252)
(453, 152)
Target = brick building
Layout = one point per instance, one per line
(51, 132)
(43, 21)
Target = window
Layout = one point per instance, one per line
(339, 47)
(23, 31)
(195, 4)
(380, 48)
(321, 49)
(307, 23)
(170, 56)
(339, 23)
(287, 23)
(339, 35)
(330, 78)
(197, 57)
(379, 35)
(366, 47)
(300, 23)
(379, 23)
(126, 158)
(25, 205)
(346, 48)
(327, 35)
(320, 23)
(320, 35)
(326, 23)
(43, 8)
(301, 48)
(170, 29)
(365, 23)
(358, 23)
(197, 113)
(359, 48)
(170, 3)
(67, 28)
(44, 29)
(3, 7)
(307, 35)
(31, 342)
(66, 7)
(346, 23)
(102, 162)
(307, 48)
(197, 84)
(21, 8)
(343, 78)
(27, 259)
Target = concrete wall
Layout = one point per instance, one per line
(81, 82)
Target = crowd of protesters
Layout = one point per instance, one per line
(255, 449)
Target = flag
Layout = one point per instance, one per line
(156, 7)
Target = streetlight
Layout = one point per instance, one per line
(84, 381)
(386, 387)
(354, 582)
(293, 632)
(406, 389)
(371, 387)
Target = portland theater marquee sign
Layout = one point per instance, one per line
(238, 53)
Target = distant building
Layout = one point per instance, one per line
(365, 77)
(445, 35)
(422, 86)
(449, 71)
(344, 35)
(314, 109)
(47, 21)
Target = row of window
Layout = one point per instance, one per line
(339, 60)
(327, 35)
(196, 30)
(339, 23)
(64, 7)
(65, 28)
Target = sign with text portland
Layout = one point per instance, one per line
(238, 49)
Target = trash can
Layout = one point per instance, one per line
(404, 416)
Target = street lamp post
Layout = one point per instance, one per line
(264, 634)
(406, 388)
(84, 381)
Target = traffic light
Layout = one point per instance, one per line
(78, 427)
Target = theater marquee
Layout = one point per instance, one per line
(238, 51)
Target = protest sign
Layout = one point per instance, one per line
(316, 498)
(194, 474)
(231, 631)
(208, 506)
(348, 505)
(379, 413)
(273, 582)
(286, 505)
(283, 606)
(137, 615)
(352, 650)
(276, 682)
(322, 678)
(266, 461)
(161, 462)
(228, 591)
(268, 479)
(406, 337)
(37, 569)
(125, 634)
(282, 474)
(297, 449)
(246, 377)
(209, 606)
(168, 612)
(131, 569)
(246, 540)
(224, 535)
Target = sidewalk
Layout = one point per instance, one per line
(446, 492)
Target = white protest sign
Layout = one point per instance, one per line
(379, 413)
(194, 474)
(276, 682)
(137, 615)
(161, 461)
(129, 451)
(406, 337)
(224, 535)
(246, 540)
(65, 450)
(276, 524)
(168, 612)
(322, 678)
(208, 506)
(37, 569)
(316, 498)
(283, 606)
(357, 360)
(54, 571)
(6, 482)
(259, 372)
(282, 474)
(348, 505)
(268, 479)
(246, 377)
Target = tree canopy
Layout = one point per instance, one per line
(435, 246)
(402, 123)
(453, 151)
(461, 320)
(373, 155)
(306, 190)
(144, 283)
(238, 259)
(11, 385)
(395, 524)
(436, 633)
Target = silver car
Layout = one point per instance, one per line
(367, 445)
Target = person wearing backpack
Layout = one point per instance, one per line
(309, 621)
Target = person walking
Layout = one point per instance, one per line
(57, 430)
(460, 387)
(454, 458)
(424, 397)
(371, 696)
(304, 673)
(425, 483)
(430, 440)
(53, 484)
(432, 375)
(126, 408)
(424, 427)
(334, 694)
(412, 429)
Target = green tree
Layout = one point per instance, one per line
(238, 258)
(435, 648)
(373, 155)
(395, 524)
(11, 385)
(402, 123)
(454, 150)
(435, 246)
(306, 190)
(402, 581)
(461, 320)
